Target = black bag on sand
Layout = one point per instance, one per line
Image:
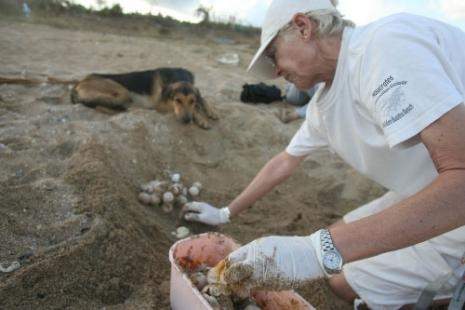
(260, 93)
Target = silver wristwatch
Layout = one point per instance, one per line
(331, 258)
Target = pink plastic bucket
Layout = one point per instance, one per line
(209, 249)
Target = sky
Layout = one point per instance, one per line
(251, 12)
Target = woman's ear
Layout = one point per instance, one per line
(304, 25)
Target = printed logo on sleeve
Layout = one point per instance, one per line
(394, 107)
(383, 86)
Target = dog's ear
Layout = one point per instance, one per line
(199, 98)
(167, 93)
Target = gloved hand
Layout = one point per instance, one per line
(275, 263)
(205, 213)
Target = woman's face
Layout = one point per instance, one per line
(297, 56)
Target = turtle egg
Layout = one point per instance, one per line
(252, 306)
(175, 177)
(198, 185)
(194, 191)
(145, 198)
(215, 290)
(182, 200)
(146, 188)
(199, 280)
(158, 186)
(168, 197)
(182, 232)
(212, 301)
(154, 199)
(176, 188)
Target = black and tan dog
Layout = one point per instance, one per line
(168, 90)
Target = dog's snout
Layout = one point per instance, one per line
(186, 119)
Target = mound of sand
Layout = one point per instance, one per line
(70, 175)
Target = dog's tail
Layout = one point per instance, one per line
(4, 80)
(52, 80)
(24, 81)
(74, 95)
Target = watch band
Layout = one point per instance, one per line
(331, 258)
(326, 241)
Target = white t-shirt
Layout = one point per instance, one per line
(394, 77)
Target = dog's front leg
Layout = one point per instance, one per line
(210, 111)
(201, 120)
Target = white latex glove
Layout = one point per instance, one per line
(275, 263)
(205, 213)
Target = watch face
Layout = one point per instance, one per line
(332, 261)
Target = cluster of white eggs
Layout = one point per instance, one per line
(169, 193)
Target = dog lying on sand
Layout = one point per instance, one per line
(169, 90)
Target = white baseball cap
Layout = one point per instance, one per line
(280, 12)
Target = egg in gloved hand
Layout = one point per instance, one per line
(219, 275)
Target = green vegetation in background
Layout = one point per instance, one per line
(61, 8)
